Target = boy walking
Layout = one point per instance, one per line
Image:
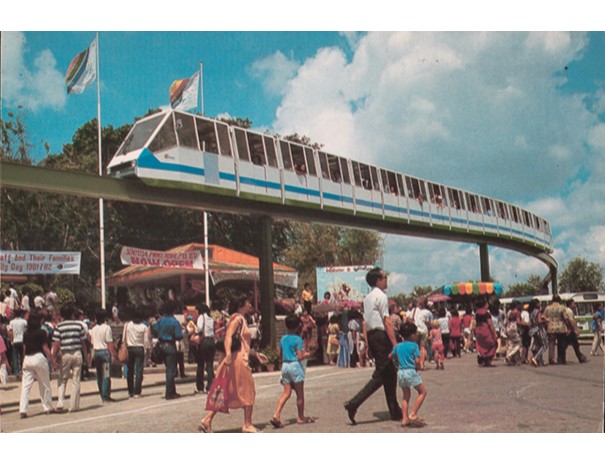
(292, 372)
(407, 357)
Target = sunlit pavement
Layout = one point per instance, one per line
(462, 398)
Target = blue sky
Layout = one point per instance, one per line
(494, 113)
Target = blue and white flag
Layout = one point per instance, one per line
(83, 70)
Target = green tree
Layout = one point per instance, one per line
(580, 275)
(533, 286)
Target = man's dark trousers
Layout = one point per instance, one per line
(385, 375)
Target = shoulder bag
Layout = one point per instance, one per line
(123, 352)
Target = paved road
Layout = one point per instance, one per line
(463, 398)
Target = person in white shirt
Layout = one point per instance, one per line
(16, 331)
(103, 354)
(206, 348)
(378, 332)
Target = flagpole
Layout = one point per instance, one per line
(101, 214)
(206, 267)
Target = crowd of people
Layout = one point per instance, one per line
(398, 343)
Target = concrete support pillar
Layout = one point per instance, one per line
(553, 279)
(267, 306)
(484, 261)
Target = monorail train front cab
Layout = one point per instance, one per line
(174, 149)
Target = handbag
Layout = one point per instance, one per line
(196, 338)
(123, 352)
(236, 340)
(218, 399)
(157, 354)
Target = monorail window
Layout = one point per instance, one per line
(392, 182)
(310, 161)
(456, 200)
(140, 134)
(473, 204)
(487, 206)
(223, 139)
(323, 163)
(207, 135)
(527, 218)
(344, 168)
(515, 214)
(298, 158)
(271, 154)
(400, 184)
(285, 154)
(165, 138)
(356, 174)
(185, 131)
(366, 177)
(415, 189)
(502, 211)
(257, 149)
(375, 181)
(437, 194)
(334, 168)
(242, 144)
(538, 223)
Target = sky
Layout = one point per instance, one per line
(519, 116)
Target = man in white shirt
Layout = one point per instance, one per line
(422, 317)
(379, 333)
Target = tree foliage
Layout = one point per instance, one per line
(580, 275)
(533, 286)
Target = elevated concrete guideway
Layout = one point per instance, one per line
(131, 190)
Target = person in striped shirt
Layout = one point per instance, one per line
(69, 344)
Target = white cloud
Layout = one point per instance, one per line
(33, 89)
(483, 111)
(274, 72)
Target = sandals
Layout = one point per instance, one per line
(305, 421)
(250, 430)
(415, 423)
(277, 424)
(203, 428)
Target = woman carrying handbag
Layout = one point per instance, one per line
(233, 386)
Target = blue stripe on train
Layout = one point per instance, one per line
(147, 160)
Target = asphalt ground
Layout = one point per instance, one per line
(463, 398)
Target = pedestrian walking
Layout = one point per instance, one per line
(35, 366)
(137, 338)
(597, 330)
(168, 331)
(381, 339)
(292, 352)
(103, 354)
(407, 357)
(206, 349)
(484, 331)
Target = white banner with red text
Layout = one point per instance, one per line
(190, 260)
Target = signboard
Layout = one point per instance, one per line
(343, 282)
(281, 278)
(23, 262)
(189, 260)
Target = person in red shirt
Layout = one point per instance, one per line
(466, 325)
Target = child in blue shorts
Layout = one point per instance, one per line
(292, 373)
(406, 355)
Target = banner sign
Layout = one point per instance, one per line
(23, 262)
(190, 260)
(281, 278)
(344, 283)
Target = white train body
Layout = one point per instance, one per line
(182, 150)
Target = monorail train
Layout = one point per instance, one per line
(183, 150)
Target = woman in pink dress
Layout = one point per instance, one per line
(240, 385)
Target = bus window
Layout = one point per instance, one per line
(164, 139)
(323, 162)
(344, 169)
(140, 134)
(270, 150)
(310, 161)
(285, 154)
(334, 168)
(356, 174)
(223, 139)
(298, 159)
(257, 150)
(185, 131)
(207, 135)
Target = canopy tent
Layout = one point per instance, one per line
(457, 291)
(224, 265)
